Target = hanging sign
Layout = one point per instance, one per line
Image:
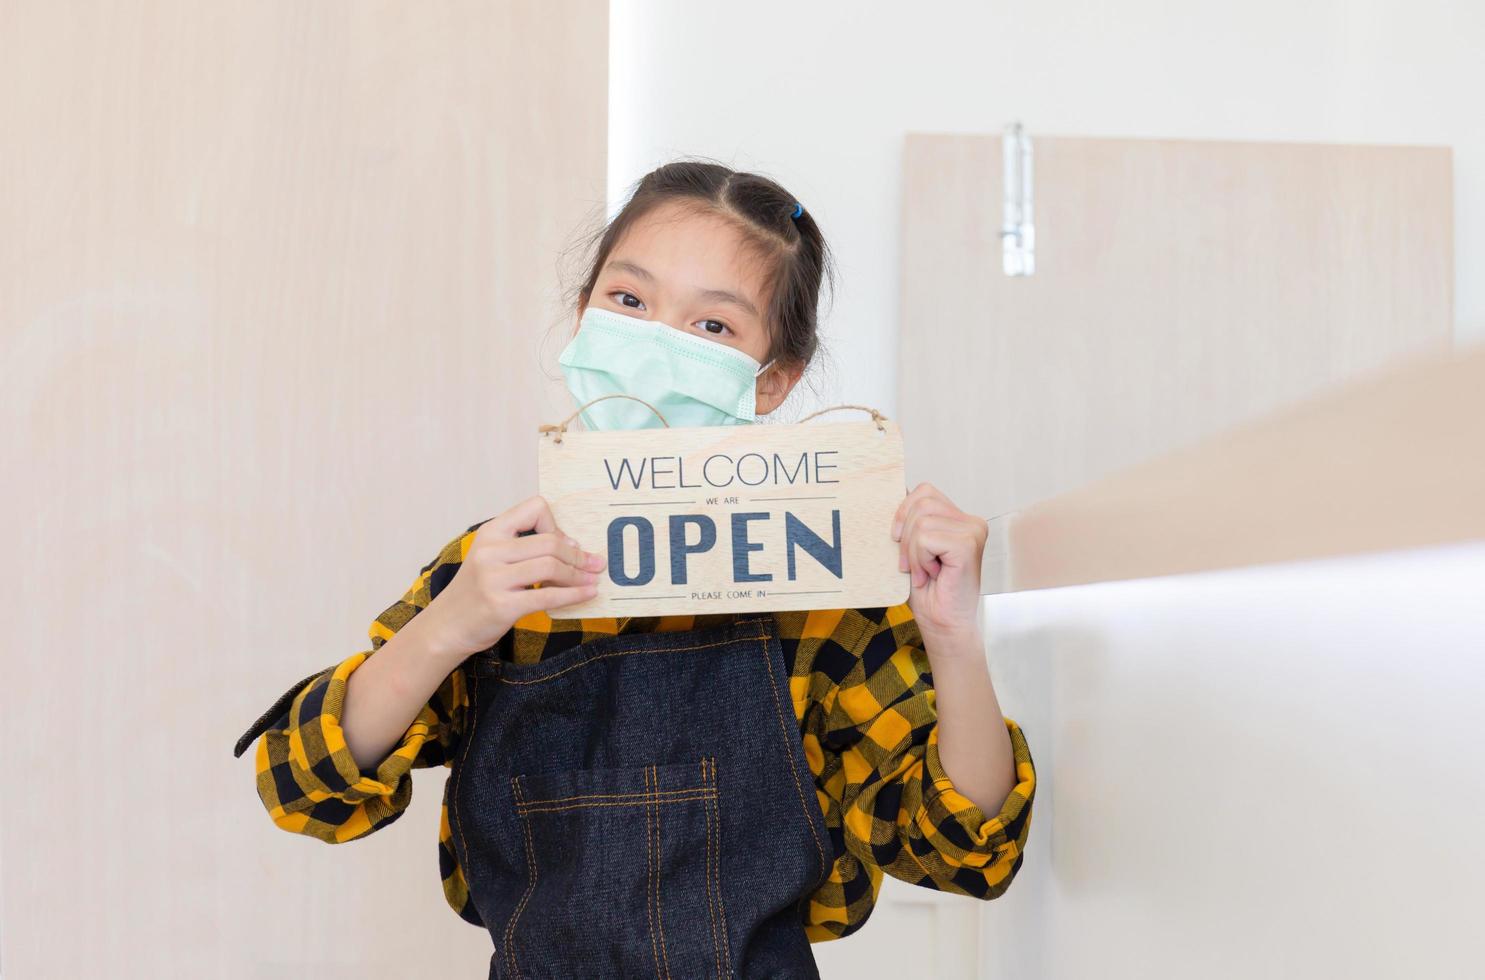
(731, 518)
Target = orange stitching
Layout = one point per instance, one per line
(510, 927)
(463, 756)
(721, 906)
(712, 877)
(793, 769)
(582, 806)
(650, 879)
(603, 796)
(605, 656)
(510, 956)
(711, 910)
(660, 876)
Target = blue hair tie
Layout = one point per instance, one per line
(798, 210)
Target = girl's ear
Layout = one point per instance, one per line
(774, 386)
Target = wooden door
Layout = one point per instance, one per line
(274, 279)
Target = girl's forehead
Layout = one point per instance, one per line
(684, 248)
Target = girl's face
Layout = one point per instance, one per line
(694, 272)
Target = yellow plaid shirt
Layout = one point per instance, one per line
(862, 694)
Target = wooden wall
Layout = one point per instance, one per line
(278, 318)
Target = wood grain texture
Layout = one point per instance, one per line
(1392, 460)
(275, 280)
(1183, 287)
(824, 475)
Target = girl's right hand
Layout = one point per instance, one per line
(492, 589)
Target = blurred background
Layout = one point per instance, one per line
(281, 294)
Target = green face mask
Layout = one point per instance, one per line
(691, 380)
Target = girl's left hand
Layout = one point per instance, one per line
(941, 546)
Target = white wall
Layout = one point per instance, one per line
(1268, 772)
(819, 95)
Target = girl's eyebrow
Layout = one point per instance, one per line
(713, 295)
(624, 265)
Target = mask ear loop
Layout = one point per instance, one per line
(561, 427)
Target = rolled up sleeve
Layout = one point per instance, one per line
(901, 810)
(306, 776)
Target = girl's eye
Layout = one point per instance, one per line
(704, 324)
(635, 305)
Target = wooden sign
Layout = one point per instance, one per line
(731, 518)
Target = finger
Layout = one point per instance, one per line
(909, 559)
(901, 532)
(944, 543)
(908, 509)
(533, 513)
(550, 543)
(924, 497)
(901, 539)
(547, 570)
(899, 519)
(929, 551)
(924, 507)
(528, 601)
(922, 561)
(593, 561)
(938, 540)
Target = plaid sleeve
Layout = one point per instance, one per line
(306, 777)
(900, 810)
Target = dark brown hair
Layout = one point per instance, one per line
(793, 250)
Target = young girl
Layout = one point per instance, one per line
(676, 796)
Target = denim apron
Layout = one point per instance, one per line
(639, 805)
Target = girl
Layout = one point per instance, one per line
(677, 795)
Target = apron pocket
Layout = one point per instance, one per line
(622, 873)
